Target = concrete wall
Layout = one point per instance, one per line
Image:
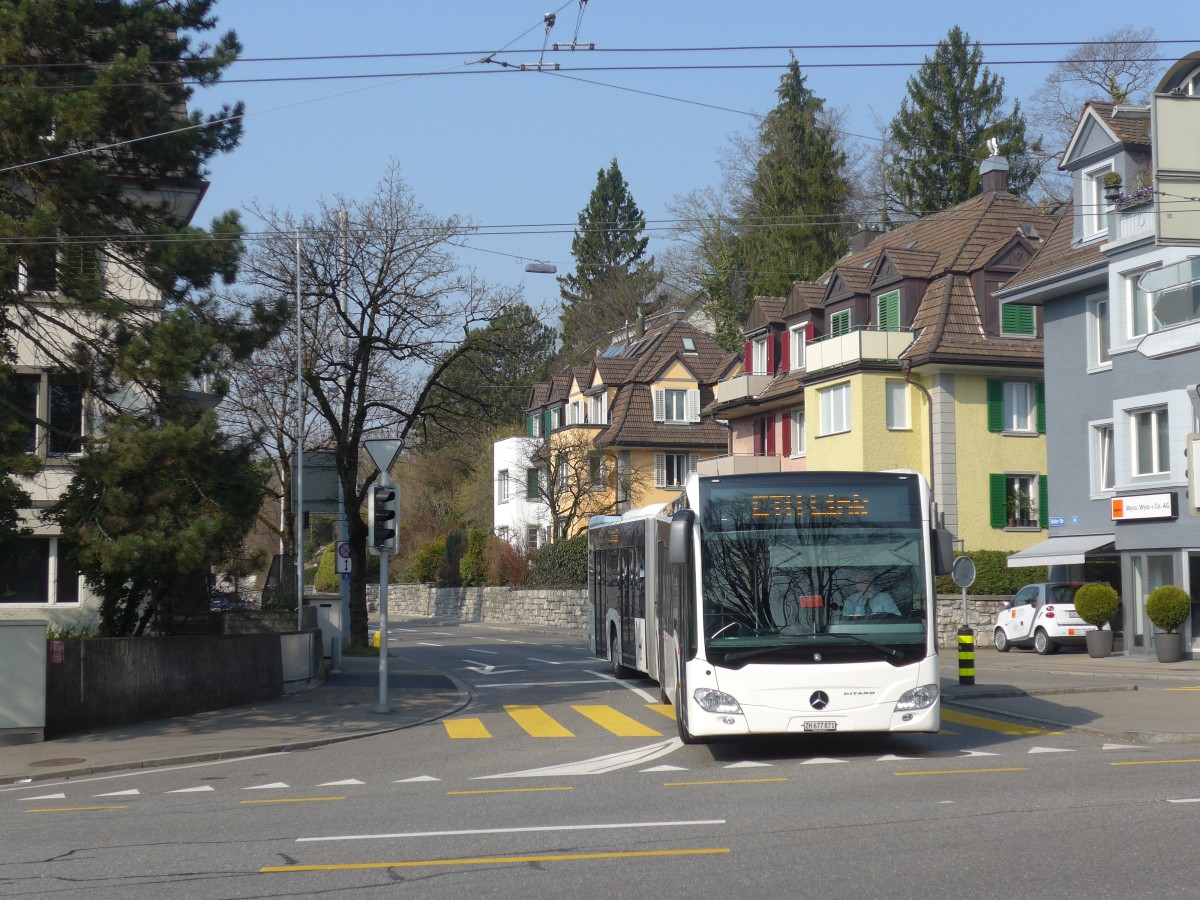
(111, 681)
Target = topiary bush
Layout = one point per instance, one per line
(1168, 606)
(562, 564)
(327, 580)
(428, 562)
(1097, 603)
(472, 568)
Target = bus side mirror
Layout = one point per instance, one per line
(680, 547)
(943, 551)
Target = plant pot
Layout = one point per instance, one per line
(1099, 643)
(1168, 646)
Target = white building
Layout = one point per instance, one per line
(519, 514)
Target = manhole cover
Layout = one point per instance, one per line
(65, 761)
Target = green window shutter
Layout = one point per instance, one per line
(1016, 318)
(529, 427)
(839, 323)
(889, 312)
(546, 423)
(997, 501)
(1040, 391)
(1043, 503)
(995, 405)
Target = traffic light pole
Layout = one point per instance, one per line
(383, 706)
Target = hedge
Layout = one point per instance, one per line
(560, 565)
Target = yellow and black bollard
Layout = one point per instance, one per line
(966, 655)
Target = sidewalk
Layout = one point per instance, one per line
(1120, 698)
(1126, 699)
(340, 709)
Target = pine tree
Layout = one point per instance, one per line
(791, 226)
(954, 105)
(613, 278)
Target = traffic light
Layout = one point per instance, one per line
(383, 518)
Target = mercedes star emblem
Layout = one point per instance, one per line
(819, 700)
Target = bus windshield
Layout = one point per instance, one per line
(834, 572)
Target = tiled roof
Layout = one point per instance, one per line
(1058, 255)
(632, 424)
(1129, 129)
(912, 263)
(763, 312)
(538, 394)
(949, 326)
(805, 295)
(613, 370)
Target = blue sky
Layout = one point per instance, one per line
(505, 147)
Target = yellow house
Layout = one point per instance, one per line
(900, 356)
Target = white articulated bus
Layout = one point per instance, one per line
(777, 603)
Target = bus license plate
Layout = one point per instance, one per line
(820, 726)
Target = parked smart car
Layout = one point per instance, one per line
(1042, 616)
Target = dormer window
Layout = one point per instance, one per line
(1093, 206)
(758, 362)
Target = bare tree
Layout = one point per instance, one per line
(1120, 67)
(385, 310)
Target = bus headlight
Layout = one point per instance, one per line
(921, 697)
(716, 701)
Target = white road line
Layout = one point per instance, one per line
(428, 644)
(643, 694)
(442, 633)
(134, 792)
(150, 770)
(1181, 800)
(608, 826)
(273, 786)
(488, 652)
(194, 790)
(562, 662)
(509, 684)
(344, 781)
(597, 765)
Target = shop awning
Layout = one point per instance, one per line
(1061, 551)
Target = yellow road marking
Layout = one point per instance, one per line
(73, 809)
(495, 860)
(537, 722)
(959, 718)
(466, 728)
(289, 800)
(730, 781)
(665, 709)
(509, 791)
(1182, 689)
(616, 722)
(1154, 762)
(964, 771)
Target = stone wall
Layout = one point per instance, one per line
(569, 608)
(512, 606)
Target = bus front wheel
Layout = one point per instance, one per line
(614, 656)
(684, 735)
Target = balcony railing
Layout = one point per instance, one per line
(1135, 216)
(742, 387)
(738, 464)
(860, 345)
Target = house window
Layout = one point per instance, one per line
(577, 413)
(64, 413)
(502, 532)
(1094, 206)
(835, 409)
(896, 396)
(796, 423)
(535, 426)
(599, 408)
(597, 472)
(1098, 335)
(1016, 407)
(1103, 472)
(1017, 318)
(37, 571)
(676, 405)
(26, 389)
(888, 312)
(671, 469)
(531, 538)
(799, 334)
(839, 323)
(1151, 444)
(1154, 311)
(502, 486)
(764, 436)
(556, 418)
(533, 484)
(1017, 500)
(758, 355)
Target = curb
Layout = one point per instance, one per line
(1141, 737)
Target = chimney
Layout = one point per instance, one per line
(993, 174)
(861, 238)
(639, 326)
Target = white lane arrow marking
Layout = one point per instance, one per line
(747, 764)
(273, 786)
(417, 778)
(1049, 750)
(193, 790)
(664, 769)
(49, 797)
(344, 781)
(820, 760)
(485, 669)
(599, 764)
(130, 793)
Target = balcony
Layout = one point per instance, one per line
(860, 345)
(742, 387)
(1135, 216)
(738, 464)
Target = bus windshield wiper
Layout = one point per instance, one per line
(759, 651)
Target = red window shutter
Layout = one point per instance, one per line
(785, 433)
(770, 354)
(808, 332)
(749, 357)
(785, 357)
(770, 423)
